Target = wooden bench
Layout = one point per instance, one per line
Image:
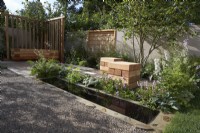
(104, 61)
(128, 72)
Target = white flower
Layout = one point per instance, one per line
(197, 67)
(117, 93)
(185, 44)
(157, 66)
(167, 55)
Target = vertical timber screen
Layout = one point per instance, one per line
(101, 40)
(26, 39)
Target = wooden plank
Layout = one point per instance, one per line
(102, 63)
(111, 71)
(58, 18)
(115, 37)
(103, 68)
(46, 35)
(20, 17)
(21, 42)
(33, 36)
(56, 36)
(7, 38)
(59, 34)
(52, 29)
(88, 39)
(107, 30)
(13, 32)
(21, 34)
(30, 30)
(50, 38)
(129, 66)
(110, 59)
(37, 36)
(53, 34)
(26, 35)
(62, 40)
(42, 35)
(16, 33)
(118, 72)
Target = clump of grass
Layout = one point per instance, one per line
(188, 120)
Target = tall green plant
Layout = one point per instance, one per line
(44, 68)
(74, 75)
(176, 85)
(157, 22)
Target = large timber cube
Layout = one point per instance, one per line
(128, 72)
(104, 61)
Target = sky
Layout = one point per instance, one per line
(14, 5)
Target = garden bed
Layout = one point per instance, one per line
(126, 107)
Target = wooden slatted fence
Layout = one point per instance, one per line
(25, 38)
(101, 40)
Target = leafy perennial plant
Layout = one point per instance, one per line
(44, 68)
(175, 87)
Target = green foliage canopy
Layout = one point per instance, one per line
(156, 21)
(33, 10)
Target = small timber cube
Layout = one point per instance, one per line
(128, 72)
(104, 61)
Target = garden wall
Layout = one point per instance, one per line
(94, 40)
(126, 46)
(194, 42)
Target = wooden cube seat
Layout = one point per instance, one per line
(104, 61)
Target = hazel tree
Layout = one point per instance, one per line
(158, 22)
(33, 10)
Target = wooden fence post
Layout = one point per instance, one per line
(62, 39)
(7, 37)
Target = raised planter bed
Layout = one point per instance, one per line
(126, 107)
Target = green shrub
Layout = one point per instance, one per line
(83, 63)
(116, 87)
(176, 86)
(92, 61)
(148, 70)
(108, 85)
(76, 54)
(156, 98)
(44, 68)
(90, 81)
(127, 94)
(179, 78)
(74, 75)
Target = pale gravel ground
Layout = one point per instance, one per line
(28, 105)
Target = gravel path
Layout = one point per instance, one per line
(28, 105)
